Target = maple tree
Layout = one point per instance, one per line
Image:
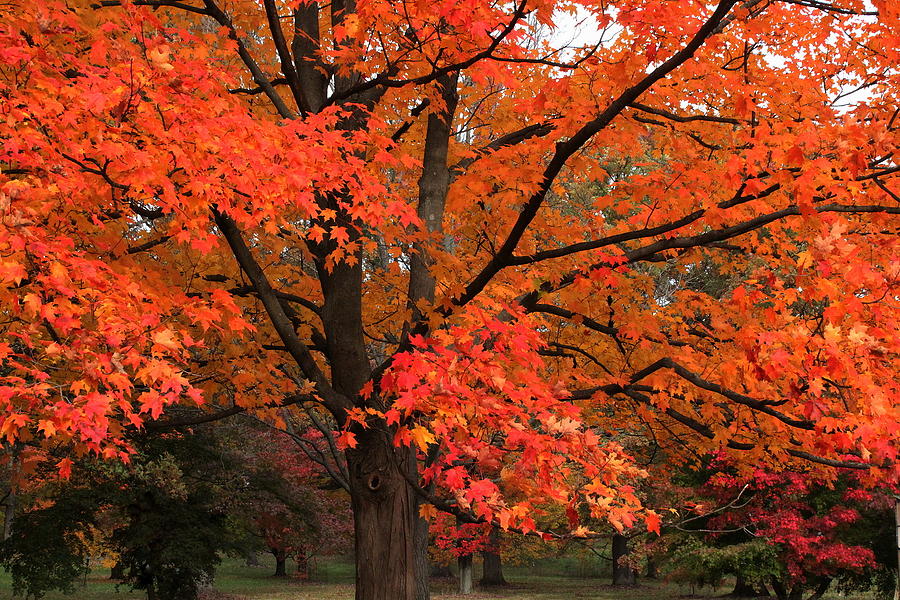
(783, 530)
(369, 208)
(289, 505)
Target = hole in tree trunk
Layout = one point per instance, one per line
(374, 482)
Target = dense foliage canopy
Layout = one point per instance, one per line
(465, 237)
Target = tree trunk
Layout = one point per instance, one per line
(117, 571)
(897, 541)
(302, 558)
(493, 566)
(652, 569)
(442, 571)
(384, 514)
(251, 560)
(623, 574)
(466, 572)
(820, 589)
(422, 566)
(742, 588)
(780, 592)
(9, 512)
(280, 562)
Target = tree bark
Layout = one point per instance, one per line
(384, 512)
(280, 563)
(466, 572)
(422, 566)
(493, 565)
(623, 574)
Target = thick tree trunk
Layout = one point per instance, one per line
(466, 573)
(623, 574)
(280, 562)
(384, 513)
(422, 566)
(493, 565)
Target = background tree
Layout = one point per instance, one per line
(785, 531)
(288, 502)
(165, 516)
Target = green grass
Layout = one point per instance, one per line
(333, 580)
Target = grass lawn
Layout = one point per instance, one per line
(333, 580)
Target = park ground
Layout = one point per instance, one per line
(333, 580)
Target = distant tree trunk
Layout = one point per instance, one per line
(743, 588)
(10, 501)
(493, 566)
(117, 571)
(9, 512)
(781, 592)
(820, 589)
(623, 574)
(302, 559)
(466, 572)
(652, 571)
(251, 560)
(422, 566)
(441, 571)
(280, 562)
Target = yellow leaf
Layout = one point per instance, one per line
(166, 339)
(422, 437)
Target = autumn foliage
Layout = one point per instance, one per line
(785, 531)
(461, 238)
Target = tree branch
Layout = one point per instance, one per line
(280, 321)
(565, 149)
